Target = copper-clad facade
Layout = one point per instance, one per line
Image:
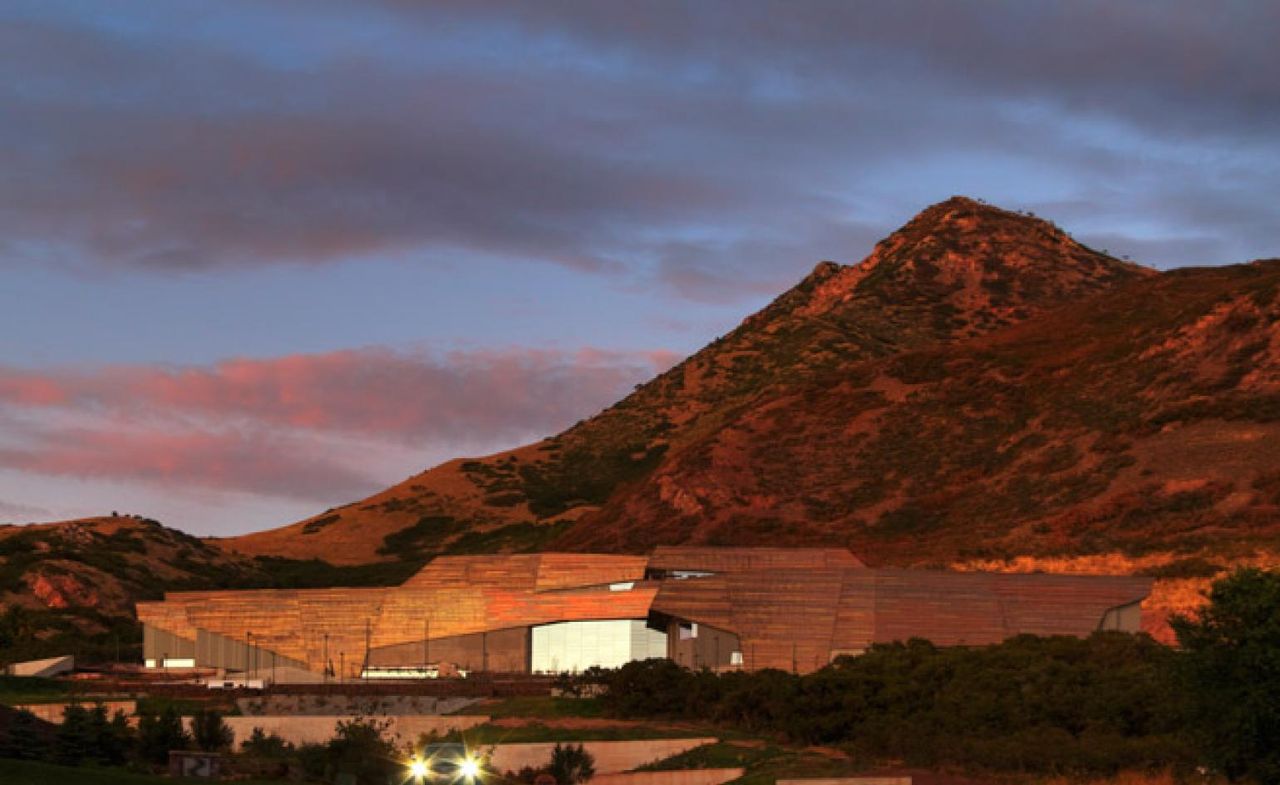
(717, 607)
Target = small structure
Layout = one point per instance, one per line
(46, 668)
(185, 763)
(235, 683)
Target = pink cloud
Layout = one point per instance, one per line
(253, 462)
(315, 426)
(477, 394)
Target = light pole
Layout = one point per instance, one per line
(426, 645)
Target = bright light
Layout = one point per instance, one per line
(418, 770)
(470, 768)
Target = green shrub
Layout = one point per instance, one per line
(24, 737)
(1230, 673)
(360, 751)
(571, 765)
(160, 733)
(210, 733)
(263, 745)
(1056, 704)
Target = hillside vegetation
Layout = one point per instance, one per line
(959, 270)
(70, 587)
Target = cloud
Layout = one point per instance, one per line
(13, 511)
(254, 461)
(483, 394)
(645, 143)
(303, 426)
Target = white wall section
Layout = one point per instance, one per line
(577, 645)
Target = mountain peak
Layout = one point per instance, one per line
(970, 265)
(965, 214)
(959, 269)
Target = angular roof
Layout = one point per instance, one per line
(529, 571)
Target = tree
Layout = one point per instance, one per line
(263, 745)
(1230, 670)
(25, 738)
(160, 733)
(361, 750)
(74, 742)
(210, 733)
(110, 739)
(571, 764)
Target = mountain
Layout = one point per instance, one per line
(980, 392)
(1144, 419)
(959, 270)
(62, 583)
(70, 586)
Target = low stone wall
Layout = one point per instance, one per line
(611, 756)
(341, 705)
(52, 712)
(318, 730)
(675, 777)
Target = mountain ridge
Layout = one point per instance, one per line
(958, 269)
(979, 392)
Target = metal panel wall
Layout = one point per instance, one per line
(158, 645)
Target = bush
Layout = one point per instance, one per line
(361, 751)
(73, 743)
(113, 739)
(1230, 672)
(210, 733)
(1055, 704)
(314, 760)
(571, 765)
(88, 736)
(24, 737)
(160, 733)
(263, 745)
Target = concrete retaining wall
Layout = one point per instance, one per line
(52, 712)
(611, 756)
(53, 666)
(318, 730)
(676, 777)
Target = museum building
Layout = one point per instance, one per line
(720, 608)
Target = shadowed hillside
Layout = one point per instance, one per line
(70, 587)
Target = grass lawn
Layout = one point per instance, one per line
(537, 706)
(29, 689)
(23, 772)
(483, 735)
(764, 764)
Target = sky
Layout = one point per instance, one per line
(261, 259)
